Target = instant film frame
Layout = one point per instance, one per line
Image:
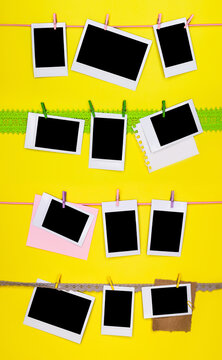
(42, 212)
(124, 206)
(180, 68)
(150, 132)
(108, 164)
(165, 206)
(117, 330)
(105, 75)
(54, 70)
(31, 133)
(54, 330)
(148, 303)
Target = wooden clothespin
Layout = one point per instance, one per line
(117, 197)
(54, 21)
(178, 280)
(124, 108)
(44, 109)
(110, 282)
(172, 199)
(188, 21)
(91, 108)
(58, 281)
(163, 107)
(106, 22)
(63, 199)
(159, 21)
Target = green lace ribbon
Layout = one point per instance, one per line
(14, 121)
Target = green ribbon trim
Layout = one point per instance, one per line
(14, 121)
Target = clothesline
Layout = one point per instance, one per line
(100, 204)
(115, 26)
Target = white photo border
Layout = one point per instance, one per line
(31, 131)
(49, 71)
(55, 330)
(151, 135)
(117, 330)
(43, 209)
(181, 68)
(105, 75)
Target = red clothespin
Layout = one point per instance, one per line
(159, 21)
(117, 197)
(63, 199)
(188, 21)
(172, 199)
(106, 22)
(54, 21)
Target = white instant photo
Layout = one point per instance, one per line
(117, 311)
(121, 228)
(49, 50)
(167, 300)
(175, 47)
(54, 133)
(111, 55)
(107, 141)
(58, 312)
(69, 223)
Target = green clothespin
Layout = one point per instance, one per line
(164, 107)
(91, 108)
(124, 108)
(44, 109)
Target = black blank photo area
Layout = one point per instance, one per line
(117, 310)
(61, 309)
(169, 300)
(174, 44)
(57, 134)
(49, 47)
(108, 135)
(177, 124)
(66, 221)
(166, 231)
(111, 52)
(121, 231)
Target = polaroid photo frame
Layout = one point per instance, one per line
(49, 50)
(180, 122)
(175, 47)
(69, 223)
(58, 312)
(107, 141)
(166, 229)
(117, 311)
(112, 55)
(167, 300)
(54, 134)
(121, 228)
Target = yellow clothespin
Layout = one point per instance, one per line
(189, 303)
(110, 282)
(178, 280)
(58, 281)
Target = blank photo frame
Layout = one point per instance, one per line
(175, 47)
(166, 229)
(54, 133)
(111, 55)
(69, 223)
(121, 228)
(180, 122)
(165, 301)
(49, 50)
(61, 313)
(118, 311)
(107, 141)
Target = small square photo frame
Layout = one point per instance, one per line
(166, 301)
(162, 132)
(49, 50)
(107, 141)
(66, 313)
(117, 311)
(54, 134)
(166, 229)
(175, 47)
(121, 228)
(69, 223)
(112, 55)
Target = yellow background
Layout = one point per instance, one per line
(25, 173)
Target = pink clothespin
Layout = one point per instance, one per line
(63, 199)
(117, 197)
(188, 21)
(54, 21)
(159, 21)
(106, 22)
(172, 199)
